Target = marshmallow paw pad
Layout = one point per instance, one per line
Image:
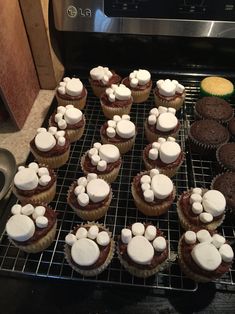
(45, 140)
(163, 119)
(121, 126)
(70, 86)
(169, 88)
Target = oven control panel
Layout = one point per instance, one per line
(222, 10)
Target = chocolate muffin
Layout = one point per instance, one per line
(213, 108)
(231, 128)
(225, 183)
(225, 156)
(206, 136)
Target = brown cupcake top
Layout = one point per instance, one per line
(226, 156)
(231, 127)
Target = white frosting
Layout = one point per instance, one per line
(204, 236)
(226, 253)
(26, 179)
(81, 233)
(166, 121)
(126, 235)
(70, 86)
(120, 92)
(162, 186)
(97, 190)
(140, 250)
(150, 232)
(109, 153)
(103, 238)
(206, 256)
(41, 222)
(190, 237)
(159, 244)
(169, 88)
(20, 227)
(137, 228)
(214, 202)
(139, 77)
(85, 252)
(101, 73)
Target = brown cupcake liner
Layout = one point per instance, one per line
(176, 103)
(39, 245)
(97, 90)
(151, 210)
(141, 96)
(153, 137)
(100, 269)
(52, 162)
(108, 177)
(109, 112)
(93, 214)
(78, 103)
(123, 147)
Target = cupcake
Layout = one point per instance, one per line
(69, 119)
(102, 78)
(165, 155)
(35, 183)
(201, 209)
(225, 156)
(169, 93)
(119, 131)
(204, 256)
(225, 183)
(50, 147)
(140, 84)
(216, 86)
(32, 227)
(142, 249)
(231, 129)
(161, 122)
(206, 136)
(153, 193)
(214, 108)
(89, 249)
(90, 197)
(104, 160)
(116, 100)
(71, 91)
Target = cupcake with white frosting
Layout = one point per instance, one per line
(119, 131)
(169, 93)
(116, 100)
(89, 249)
(69, 119)
(153, 192)
(165, 154)
(161, 122)
(204, 256)
(142, 249)
(71, 91)
(102, 78)
(201, 208)
(140, 84)
(104, 160)
(90, 197)
(34, 183)
(50, 147)
(32, 227)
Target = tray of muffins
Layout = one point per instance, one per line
(130, 181)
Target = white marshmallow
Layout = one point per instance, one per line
(126, 117)
(159, 82)
(218, 240)
(214, 202)
(111, 97)
(204, 236)
(43, 171)
(66, 79)
(39, 211)
(91, 176)
(69, 106)
(153, 154)
(114, 86)
(34, 166)
(190, 237)
(122, 92)
(93, 232)
(74, 87)
(52, 130)
(148, 196)
(125, 129)
(81, 233)
(92, 151)
(21, 168)
(126, 235)
(152, 119)
(112, 123)
(95, 160)
(169, 152)
(44, 180)
(180, 89)
(70, 239)
(206, 217)
(45, 141)
(153, 172)
(109, 153)
(103, 238)
(62, 124)
(197, 191)
(97, 145)
(162, 186)
(137, 229)
(82, 181)
(16, 209)
(83, 199)
(26, 179)
(61, 109)
(167, 88)
(102, 165)
(145, 179)
(162, 109)
(110, 132)
(109, 91)
(27, 210)
(226, 253)
(159, 244)
(41, 130)
(60, 133)
(85, 252)
(20, 228)
(98, 190)
(156, 145)
(150, 232)
(61, 90)
(206, 256)
(143, 77)
(172, 110)
(161, 140)
(105, 79)
(117, 118)
(97, 73)
(195, 198)
(154, 111)
(61, 141)
(58, 117)
(171, 139)
(145, 186)
(197, 208)
(41, 222)
(73, 116)
(79, 189)
(166, 122)
(140, 250)
(134, 82)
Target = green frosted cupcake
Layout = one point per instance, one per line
(216, 86)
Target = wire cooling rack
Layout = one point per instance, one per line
(122, 212)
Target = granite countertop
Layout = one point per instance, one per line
(17, 141)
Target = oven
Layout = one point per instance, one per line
(185, 40)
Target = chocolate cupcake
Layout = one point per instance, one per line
(102, 78)
(169, 93)
(140, 84)
(32, 227)
(206, 136)
(89, 249)
(216, 86)
(69, 119)
(142, 249)
(119, 131)
(104, 160)
(152, 192)
(165, 155)
(231, 128)
(214, 108)
(50, 147)
(116, 100)
(204, 256)
(71, 91)
(90, 197)
(201, 209)
(225, 183)
(161, 122)
(34, 183)
(225, 156)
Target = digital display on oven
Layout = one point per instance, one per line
(222, 10)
